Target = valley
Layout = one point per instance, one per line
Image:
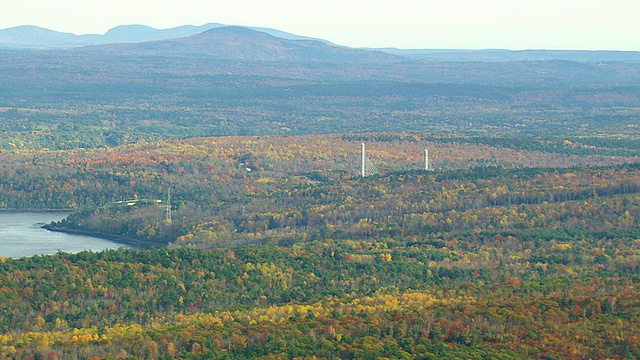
(521, 242)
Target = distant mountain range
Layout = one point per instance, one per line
(496, 55)
(272, 45)
(33, 37)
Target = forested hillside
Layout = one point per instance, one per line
(363, 300)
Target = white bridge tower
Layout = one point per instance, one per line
(368, 168)
(427, 163)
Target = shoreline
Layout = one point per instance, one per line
(136, 244)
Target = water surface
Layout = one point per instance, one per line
(21, 234)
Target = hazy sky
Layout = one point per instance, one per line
(470, 24)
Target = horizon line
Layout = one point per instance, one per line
(331, 41)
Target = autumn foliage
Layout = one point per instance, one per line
(277, 248)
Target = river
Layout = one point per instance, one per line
(21, 234)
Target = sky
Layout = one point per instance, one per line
(424, 24)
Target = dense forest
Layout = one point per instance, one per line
(237, 182)
(278, 248)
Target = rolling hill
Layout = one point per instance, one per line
(239, 43)
(28, 36)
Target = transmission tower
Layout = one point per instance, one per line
(368, 168)
(169, 206)
(363, 160)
